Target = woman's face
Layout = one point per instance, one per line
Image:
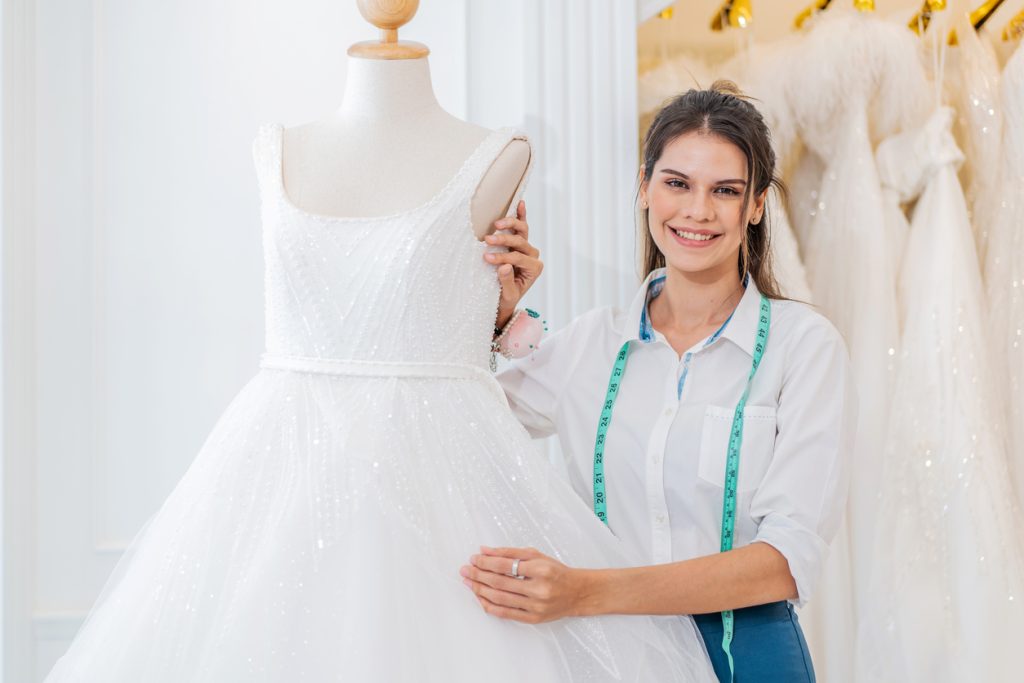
(697, 214)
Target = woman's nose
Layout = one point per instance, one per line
(698, 207)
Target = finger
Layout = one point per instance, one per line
(507, 279)
(497, 565)
(496, 596)
(505, 272)
(514, 553)
(499, 581)
(502, 566)
(514, 257)
(513, 242)
(515, 225)
(521, 210)
(501, 598)
(506, 612)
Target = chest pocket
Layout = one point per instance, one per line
(755, 452)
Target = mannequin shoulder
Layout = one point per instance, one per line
(500, 184)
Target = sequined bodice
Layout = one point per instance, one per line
(411, 287)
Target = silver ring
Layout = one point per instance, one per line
(515, 570)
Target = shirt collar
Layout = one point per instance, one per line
(741, 328)
(637, 311)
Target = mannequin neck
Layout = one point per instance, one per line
(388, 90)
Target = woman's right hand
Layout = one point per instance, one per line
(519, 267)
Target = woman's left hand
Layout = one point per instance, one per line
(519, 267)
(549, 591)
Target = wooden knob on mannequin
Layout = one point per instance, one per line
(388, 16)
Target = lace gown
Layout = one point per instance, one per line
(319, 532)
(945, 598)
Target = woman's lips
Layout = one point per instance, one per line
(693, 238)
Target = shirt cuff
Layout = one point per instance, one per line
(803, 549)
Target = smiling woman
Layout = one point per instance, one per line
(697, 162)
(723, 414)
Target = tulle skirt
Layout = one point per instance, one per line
(318, 536)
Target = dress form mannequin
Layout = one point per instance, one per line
(390, 147)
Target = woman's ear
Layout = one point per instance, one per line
(643, 190)
(758, 209)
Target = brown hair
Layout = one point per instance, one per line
(723, 111)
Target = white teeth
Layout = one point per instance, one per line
(692, 235)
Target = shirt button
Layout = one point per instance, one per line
(668, 411)
(656, 459)
(660, 519)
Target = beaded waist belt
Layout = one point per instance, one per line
(372, 368)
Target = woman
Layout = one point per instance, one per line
(708, 425)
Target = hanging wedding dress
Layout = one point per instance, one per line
(972, 85)
(946, 601)
(672, 76)
(1004, 264)
(760, 70)
(854, 79)
(319, 532)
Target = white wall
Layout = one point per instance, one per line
(132, 272)
(3, 518)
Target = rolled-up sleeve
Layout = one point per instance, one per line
(801, 500)
(534, 383)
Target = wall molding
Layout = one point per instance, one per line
(58, 627)
(104, 543)
(581, 112)
(18, 336)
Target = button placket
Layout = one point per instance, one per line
(661, 537)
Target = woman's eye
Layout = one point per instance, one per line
(727, 191)
(676, 183)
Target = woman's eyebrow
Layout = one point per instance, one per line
(730, 181)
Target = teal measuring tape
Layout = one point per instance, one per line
(618, 370)
(732, 464)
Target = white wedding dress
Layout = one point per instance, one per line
(972, 83)
(1004, 263)
(319, 533)
(851, 80)
(946, 602)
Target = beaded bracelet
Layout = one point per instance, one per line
(520, 336)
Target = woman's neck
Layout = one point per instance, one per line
(693, 301)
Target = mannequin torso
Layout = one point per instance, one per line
(390, 147)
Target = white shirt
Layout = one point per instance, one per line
(666, 448)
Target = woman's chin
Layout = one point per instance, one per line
(693, 264)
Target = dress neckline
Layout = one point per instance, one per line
(278, 160)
